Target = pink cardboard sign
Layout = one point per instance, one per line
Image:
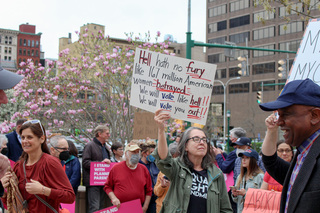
(99, 173)
(130, 206)
(71, 207)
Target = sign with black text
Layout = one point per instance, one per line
(180, 86)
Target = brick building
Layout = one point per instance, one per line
(28, 44)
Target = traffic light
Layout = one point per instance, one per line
(282, 68)
(259, 97)
(243, 66)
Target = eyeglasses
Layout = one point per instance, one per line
(62, 149)
(284, 150)
(198, 139)
(35, 122)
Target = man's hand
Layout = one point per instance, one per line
(271, 122)
(217, 151)
(164, 182)
(116, 202)
(106, 160)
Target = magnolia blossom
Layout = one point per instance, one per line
(55, 121)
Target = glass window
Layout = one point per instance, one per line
(10, 49)
(293, 27)
(221, 73)
(266, 15)
(217, 58)
(214, 27)
(21, 42)
(37, 43)
(28, 52)
(240, 21)
(234, 72)
(220, 40)
(294, 8)
(239, 5)
(32, 53)
(240, 37)
(264, 33)
(20, 51)
(293, 45)
(37, 53)
(24, 42)
(217, 90)
(257, 53)
(29, 43)
(281, 81)
(32, 44)
(217, 11)
(24, 51)
(239, 88)
(263, 68)
(257, 86)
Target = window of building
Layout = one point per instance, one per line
(239, 88)
(239, 5)
(24, 42)
(6, 50)
(32, 43)
(293, 27)
(37, 43)
(218, 90)
(240, 21)
(265, 15)
(32, 52)
(293, 45)
(24, 51)
(36, 62)
(220, 40)
(28, 52)
(0, 39)
(10, 50)
(10, 40)
(6, 39)
(263, 68)
(217, 58)
(9, 58)
(5, 58)
(215, 27)
(221, 73)
(37, 53)
(234, 72)
(20, 51)
(240, 37)
(257, 53)
(294, 8)
(238, 53)
(257, 86)
(21, 42)
(282, 82)
(19, 60)
(264, 33)
(29, 43)
(217, 11)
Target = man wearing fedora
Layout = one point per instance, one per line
(298, 115)
(7, 80)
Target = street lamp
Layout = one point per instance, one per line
(224, 103)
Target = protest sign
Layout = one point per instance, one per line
(259, 200)
(144, 126)
(71, 207)
(180, 86)
(307, 61)
(99, 173)
(130, 206)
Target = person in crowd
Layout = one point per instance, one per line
(298, 115)
(162, 186)
(251, 176)
(37, 172)
(3, 144)
(95, 151)
(7, 80)
(117, 151)
(178, 138)
(129, 180)
(284, 151)
(148, 160)
(14, 142)
(4, 162)
(73, 167)
(59, 148)
(241, 145)
(196, 184)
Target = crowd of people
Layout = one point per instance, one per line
(186, 176)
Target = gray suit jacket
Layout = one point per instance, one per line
(305, 192)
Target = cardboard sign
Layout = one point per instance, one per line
(144, 126)
(99, 173)
(130, 206)
(180, 86)
(307, 61)
(259, 200)
(70, 207)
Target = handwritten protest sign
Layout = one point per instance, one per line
(99, 173)
(180, 86)
(258, 200)
(144, 126)
(307, 61)
(130, 206)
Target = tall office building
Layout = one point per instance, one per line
(8, 49)
(238, 22)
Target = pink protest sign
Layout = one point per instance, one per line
(71, 207)
(130, 206)
(99, 173)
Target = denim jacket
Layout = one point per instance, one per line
(177, 198)
(254, 182)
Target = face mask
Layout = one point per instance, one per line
(134, 159)
(150, 158)
(4, 151)
(64, 155)
(239, 151)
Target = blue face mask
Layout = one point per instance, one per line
(150, 158)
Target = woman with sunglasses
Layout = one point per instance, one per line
(284, 151)
(41, 177)
(197, 185)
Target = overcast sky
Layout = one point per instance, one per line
(56, 18)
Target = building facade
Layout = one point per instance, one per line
(28, 44)
(8, 49)
(238, 22)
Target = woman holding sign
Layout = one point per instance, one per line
(251, 176)
(196, 184)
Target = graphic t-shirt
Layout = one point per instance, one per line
(199, 189)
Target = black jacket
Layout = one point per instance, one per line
(14, 146)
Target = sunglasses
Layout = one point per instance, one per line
(35, 122)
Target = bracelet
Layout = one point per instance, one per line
(43, 190)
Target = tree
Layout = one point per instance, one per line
(301, 8)
(92, 86)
